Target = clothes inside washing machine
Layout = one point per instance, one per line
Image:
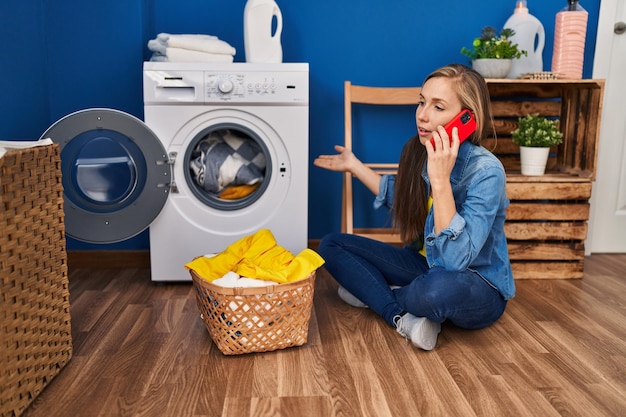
(227, 164)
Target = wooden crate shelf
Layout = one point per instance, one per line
(547, 220)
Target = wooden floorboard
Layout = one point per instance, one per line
(140, 349)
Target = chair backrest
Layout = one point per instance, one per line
(357, 94)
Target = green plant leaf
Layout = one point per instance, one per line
(537, 131)
(490, 45)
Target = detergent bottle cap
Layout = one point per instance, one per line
(573, 6)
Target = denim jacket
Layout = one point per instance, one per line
(474, 239)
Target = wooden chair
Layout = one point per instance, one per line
(394, 96)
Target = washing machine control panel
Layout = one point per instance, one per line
(236, 83)
(256, 87)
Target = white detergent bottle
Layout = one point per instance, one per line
(259, 42)
(530, 36)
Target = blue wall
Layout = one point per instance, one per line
(66, 55)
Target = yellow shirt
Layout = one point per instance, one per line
(423, 250)
(258, 256)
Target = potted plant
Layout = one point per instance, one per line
(492, 54)
(535, 135)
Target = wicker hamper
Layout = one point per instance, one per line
(246, 320)
(35, 338)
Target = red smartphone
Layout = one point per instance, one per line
(466, 124)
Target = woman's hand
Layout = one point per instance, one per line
(442, 157)
(345, 161)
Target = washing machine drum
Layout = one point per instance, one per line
(115, 174)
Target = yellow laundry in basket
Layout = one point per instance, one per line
(258, 256)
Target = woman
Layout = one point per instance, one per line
(449, 205)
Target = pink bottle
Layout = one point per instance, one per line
(569, 41)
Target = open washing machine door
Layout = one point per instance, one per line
(116, 175)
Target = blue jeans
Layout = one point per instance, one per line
(367, 268)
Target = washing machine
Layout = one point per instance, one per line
(222, 152)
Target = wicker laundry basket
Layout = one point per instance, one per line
(246, 320)
(35, 337)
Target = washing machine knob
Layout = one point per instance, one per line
(225, 86)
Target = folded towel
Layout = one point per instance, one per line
(156, 45)
(185, 55)
(214, 46)
(201, 43)
(164, 37)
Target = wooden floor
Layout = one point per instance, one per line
(140, 349)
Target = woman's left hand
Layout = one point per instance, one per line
(442, 157)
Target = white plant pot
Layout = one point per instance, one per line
(533, 160)
(492, 68)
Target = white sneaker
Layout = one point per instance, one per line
(422, 332)
(348, 298)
